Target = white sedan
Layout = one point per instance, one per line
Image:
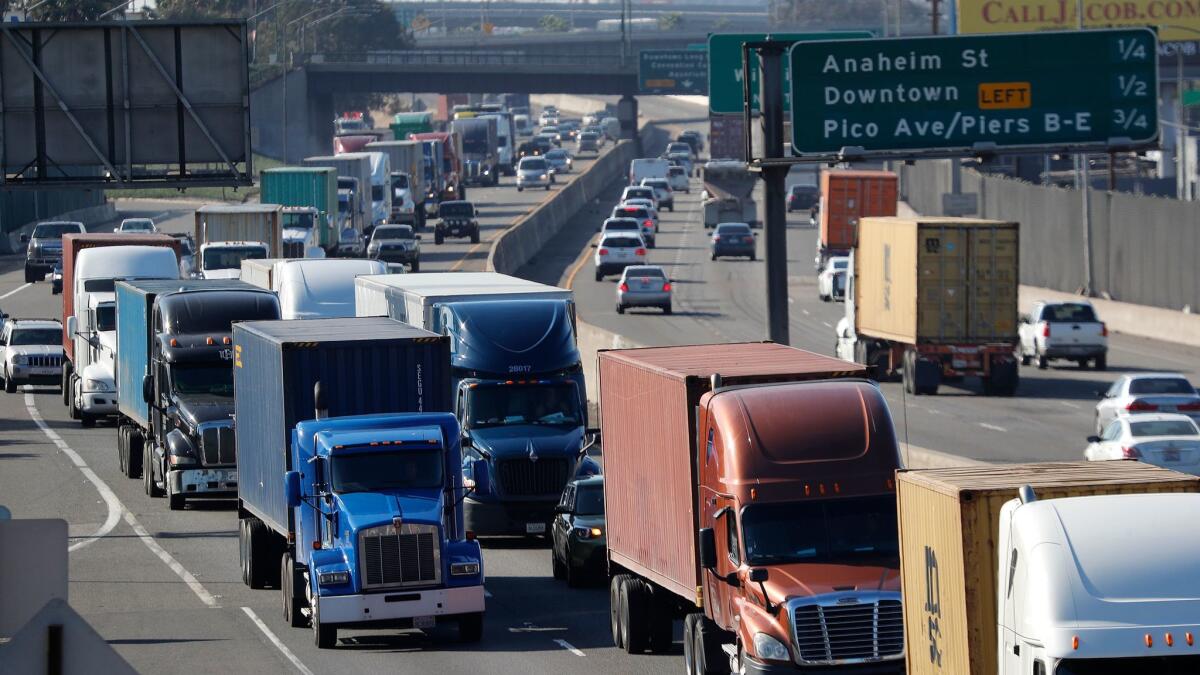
(1167, 440)
(831, 282)
(1133, 395)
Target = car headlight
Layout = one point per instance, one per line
(333, 578)
(96, 385)
(21, 360)
(542, 177)
(588, 532)
(467, 569)
(767, 647)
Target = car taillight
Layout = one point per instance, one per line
(640, 251)
(648, 223)
(1189, 407)
(603, 251)
(1103, 329)
(623, 287)
(667, 286)
(1046, 330)
(748, 240)
(1131, 453)
(1138, 405)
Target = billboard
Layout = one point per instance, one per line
(124, 104)
(1177, 20)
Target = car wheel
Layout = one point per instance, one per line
(86, 420)
(714, 256)
(438, 238)
(29, 276)
(666, 309)
(547, 188)
(599, 276)
(1024, 359)
(1043, 362)
(416, 266)
(620, 309)
(520, 189)
(10, 386)
(1100, 362)
(574, 575)
(475, 237)
(752, 257)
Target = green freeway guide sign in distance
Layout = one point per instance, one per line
(672, 71)
(956, 94)
(725, 66)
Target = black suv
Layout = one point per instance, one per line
(45, 247)
(456, 219)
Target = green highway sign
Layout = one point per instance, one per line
(672, 71)
(964, 94)
(1192, 97)
(725, 66)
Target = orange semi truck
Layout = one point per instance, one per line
(847, 197)
(749, 490)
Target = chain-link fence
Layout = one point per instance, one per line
(1144, 250)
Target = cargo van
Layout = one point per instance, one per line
(640, 169)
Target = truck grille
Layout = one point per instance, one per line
(217, 445)
(409, 557)
(293, 249)
(45, 361)
(849, 631)
(526, 478)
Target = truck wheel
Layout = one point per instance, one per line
(72, 409)
(1101, 362)
(66, 385)
(615, 613)
(324, 636)
(133, 452)
(293, 603)
(87, 421)
(635, 606)
(475, 237)
(152, 489)
(470, 627)
(707, 656)
(122, 448)
(927, 376)
(907, 374)
(174, 502)
(10, 386)
(259, 564)
(243, 553)
(689, 642)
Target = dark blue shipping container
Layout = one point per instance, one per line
(135, 301)
(364, 365)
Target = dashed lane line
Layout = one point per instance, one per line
(15, 290)
(993, 427)
(569, 647)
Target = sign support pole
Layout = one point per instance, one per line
(775, 178)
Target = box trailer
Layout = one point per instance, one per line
(846, 198)
(407, 158)
(307, 187)
(356, 165)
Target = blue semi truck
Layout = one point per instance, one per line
(175, 383)
(350, 499)
(518, 386)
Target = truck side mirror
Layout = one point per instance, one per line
(72, 327)
(483, 477)
(708, 548)
(291, 488)
(147, 389)
(1093, 439)
(759, 575)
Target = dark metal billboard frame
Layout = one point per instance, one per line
(110, 161)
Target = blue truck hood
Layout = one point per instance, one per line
(368, 509)
(519, 440)
(534, 336)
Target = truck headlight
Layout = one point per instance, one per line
(467, 569)
(767, 647)
(96, 385)
(178, 461)
(333, 578)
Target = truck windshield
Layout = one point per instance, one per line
(400, 182)
(844, 531)
(201, 379)
(549, 404)
(1150, 665)
(230, 258)
(377, 193)
(304, 220)
(379, 471)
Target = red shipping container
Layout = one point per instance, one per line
(847, 196)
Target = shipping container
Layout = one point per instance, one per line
(371, 365)
(849, 196)
(648, 400)
(312, 186)
(74, 243)
(260, 272)
(240, 222)
(936, 280)
(949, 521)
(411, 123)
(355, 165)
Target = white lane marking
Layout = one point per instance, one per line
(1069, 404)
(283, 649)
(487, 593)
(15, 291)
(935, 411)
(993, 427)
(116, 509)
(827, 324)
(111, 502)
(804, 312)
(570, 647)
(792, 301)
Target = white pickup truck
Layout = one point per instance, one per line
(1063, 330)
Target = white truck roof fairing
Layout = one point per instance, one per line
(320, 288)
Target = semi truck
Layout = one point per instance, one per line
(91, 263)
(407, 180)
(481, 152)
(404, 124)
(261, 272)
(506, 140)
(933, 299)
(748, 490)
(381, 183)
(1056, 568)
(846, 198)
(433, 153)
(350, 497)
(227, 234)
(175, 384)
(518, 384)
(451, 166)
(729, 194)
(309, 196)
(317, 289)
(355, 195)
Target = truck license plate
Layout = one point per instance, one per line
(424, 621)
(535, 528)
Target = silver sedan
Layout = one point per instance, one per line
(644, 286)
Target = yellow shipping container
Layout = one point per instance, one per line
(936, 280)
(949, 525)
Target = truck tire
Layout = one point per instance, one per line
(86, 420)
(243, 553)
(72, 409)
(614, 608)
(470, 627)
(133, 452)
(635, 610)
(707, 656)
(293, 603)
(175, 502)
(152, 490)
(324, 636)
(263, 552)
(122, 447)
(689, 641)
(66, 384)
(907, 375)
(927, 376)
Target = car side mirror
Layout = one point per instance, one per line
(562, 509)
(291, 488)
(1024, 318)
(147, 389)
(594, 245)
(1093, 439)
(758, 575)
(708, 548)
(24, 239)
(1099, 394)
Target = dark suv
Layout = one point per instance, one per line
(45, 247)
(456, 219)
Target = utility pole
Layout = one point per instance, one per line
(935, 11)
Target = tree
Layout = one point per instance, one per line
(67, 10)
(552, 23)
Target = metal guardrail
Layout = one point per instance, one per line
(443, 57)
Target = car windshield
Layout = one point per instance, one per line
(533, 165)
(55, 230)
(1164, 428)
(392, 233)
(842, 531)
(549, 404)
(645, 193)
(676, 171)
(137, 226)
(630, 212)
(231, 257)
(1161, 385)
(621, 242)
(658, 183)
(589, 500)
(106, 317)
(204, 379)
(380, 471)
(35, 336)
(1068, 313)
(448, 210)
